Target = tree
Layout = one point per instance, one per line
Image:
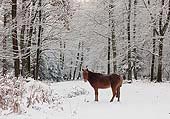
(77, 61)
(134, 39)
(81, 60)
(4, 67)
(113, 39)
(14, 39)
(162, 31)
(30, 37)
(154, 33)
(153, 52)
(22, 39)
(39, 39)
(129, 42)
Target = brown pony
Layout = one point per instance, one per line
(102, 81)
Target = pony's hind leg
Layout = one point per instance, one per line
(118, 94)
(96, 94)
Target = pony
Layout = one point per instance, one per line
(103, 81)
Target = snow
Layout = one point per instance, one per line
(75, 100)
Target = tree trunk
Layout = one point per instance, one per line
(109, 37)
(14, 39)
(153, 55)
(33, 16)
(114, 51)
(22, 40)
(113, 40)
(77, 59)
(159, 75)
(63, 56)
(160, 48)
(4, 61)
(134, 38)
(162, 30)
(108, 56)
(82, 58)
(70, 74)
(129, 43)
(39, 40)
(62, 45)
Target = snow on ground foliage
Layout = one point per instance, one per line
(75, 100)
(18, 94)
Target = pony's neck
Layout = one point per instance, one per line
(92, 75)
(89, 75)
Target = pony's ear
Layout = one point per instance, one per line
(87, 68)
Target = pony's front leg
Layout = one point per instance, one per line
(96, 94)
(113, 93)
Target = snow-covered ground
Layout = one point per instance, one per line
(75, 100)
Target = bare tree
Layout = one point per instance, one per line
(4, 67)
(39, 39)
(162, 31)
(14, 38)
(77, 61)
(134, 39)
(153, 52)
(129, 42)
(111, 39)
(22, 39)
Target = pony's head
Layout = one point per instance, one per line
(85, 74)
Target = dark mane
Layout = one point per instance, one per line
(93, 75)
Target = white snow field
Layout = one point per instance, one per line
(75, 100)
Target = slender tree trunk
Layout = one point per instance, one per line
(61, 54)
(22, 40)
(22, 45)
(4, 66)
(159, 75)
(70, 74)
(14, 39)
(82, 58)
(153, 55)
(62, 47)
(28, 42)
(129, 42)
(153, 46)
(77, 59)
(134, 38)
(39, 40)
(113, 40)
(124, 27)
(109, 38)
(33, 16)
(108, 56)
(114, 52)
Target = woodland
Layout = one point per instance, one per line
(53, 39)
